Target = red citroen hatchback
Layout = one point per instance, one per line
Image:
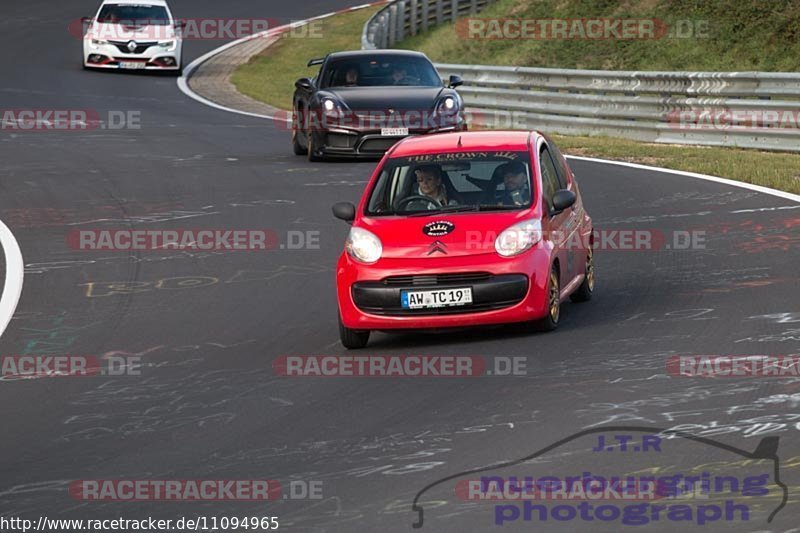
(464, 229)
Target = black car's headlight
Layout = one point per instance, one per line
(447, 106)
(331, 108)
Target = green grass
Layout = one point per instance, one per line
(741, 35)
(770, 169)
(269, 77)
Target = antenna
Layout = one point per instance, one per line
(459, 141)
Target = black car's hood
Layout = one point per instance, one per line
(381, 98)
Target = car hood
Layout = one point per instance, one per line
(121, 32)
(472, 233)
(382, 98)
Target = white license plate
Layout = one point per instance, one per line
(438, 298)
(394, 132)
(131, 64)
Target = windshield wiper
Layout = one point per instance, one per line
(447, 209)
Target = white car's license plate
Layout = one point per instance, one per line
(438, 298)
(394, 132)
(131, 64)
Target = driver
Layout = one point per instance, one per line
(351, 77)
(515, 180)
(399, 76)
(429, 182)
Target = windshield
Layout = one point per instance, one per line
(451, 182)
(380, 71)
(133, 15)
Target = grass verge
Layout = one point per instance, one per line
(269, 76)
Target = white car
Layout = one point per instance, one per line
(133, 34)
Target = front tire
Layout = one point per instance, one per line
(312, 157)
(585, 291)
(297, 148)
(550, 321)
(352, 339)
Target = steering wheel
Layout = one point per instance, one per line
(417, 197)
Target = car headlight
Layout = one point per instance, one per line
(169, 45)
(448, 105)
(517, 238)
(98, 42)
(363, 245)
(331, 107)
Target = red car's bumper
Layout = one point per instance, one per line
(505, 290)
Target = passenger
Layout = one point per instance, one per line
(517, 190)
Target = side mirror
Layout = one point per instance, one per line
(86, 20)
(455, 81)
(304, 84)
(344, 211)
(563, 199)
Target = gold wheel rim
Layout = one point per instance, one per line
(554, 297)
(590, 270)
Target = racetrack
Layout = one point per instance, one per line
(208, 405)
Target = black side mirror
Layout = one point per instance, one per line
(304, 84)
(344, 211)
(563, 199)
(455, 81)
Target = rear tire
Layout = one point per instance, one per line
(550, 321)
(584, 292)
(352, 339)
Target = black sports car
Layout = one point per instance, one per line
(362, 102)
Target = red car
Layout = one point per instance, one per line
(464, 229)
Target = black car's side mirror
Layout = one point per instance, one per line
(304, 84)
(344, 211)
(563, 199)
(455, 81)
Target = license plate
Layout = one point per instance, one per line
(131, 64)
(438, 298)
(394, 132)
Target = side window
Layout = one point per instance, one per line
(561, 168)
(550, 182)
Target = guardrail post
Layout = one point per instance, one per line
(474, 8)
(425, 14)
(401, 20)
(439, 12)
(392, 25)
(454, 10)
(412, 17)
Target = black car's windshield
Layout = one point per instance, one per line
(453, 182)
(380, 71)
(133, 15)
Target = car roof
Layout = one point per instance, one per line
(137, 2)
(469, 141)
(372, 53)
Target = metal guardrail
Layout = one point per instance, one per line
(745, 109)
(405, 18)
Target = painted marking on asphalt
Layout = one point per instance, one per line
(14, 276)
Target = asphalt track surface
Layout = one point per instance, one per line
(207, 404)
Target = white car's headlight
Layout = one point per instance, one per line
(169, 45)
(517, 238)
(98, 42)
(363, 245)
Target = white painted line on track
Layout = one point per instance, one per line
(14, 276)
(716, 179)
(183, 81)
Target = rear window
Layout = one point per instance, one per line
(469, 181)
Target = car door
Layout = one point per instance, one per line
(556, 224)
(572, 222)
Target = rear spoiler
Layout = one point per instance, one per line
(318, 61)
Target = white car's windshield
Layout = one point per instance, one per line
(133, 15)
(448, 182)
